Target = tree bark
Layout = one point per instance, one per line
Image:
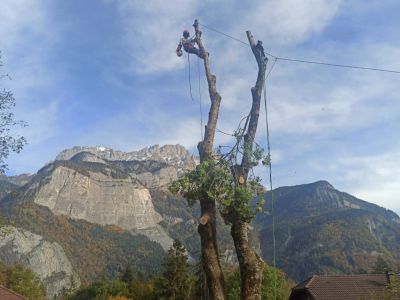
(207, 225)
(250, 263)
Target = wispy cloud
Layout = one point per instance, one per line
(325, 123)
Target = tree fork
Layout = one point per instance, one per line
(207, 227)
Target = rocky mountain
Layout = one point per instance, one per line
(108, 208)
(119, 197)
(175, 155)
(320, 230)
(108, 187)
(18, 180)
(46, 259)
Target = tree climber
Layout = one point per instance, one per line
(187, 43)
(260, 48)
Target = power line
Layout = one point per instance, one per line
(305, 61)
(337, 65)
(227, 35)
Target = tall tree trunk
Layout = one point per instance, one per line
(207, 226)
(250, 263)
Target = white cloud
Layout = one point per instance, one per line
(145, 124)
(311, 107)
(152, 28)
(291, 21)
(374, 178)
(27, 40)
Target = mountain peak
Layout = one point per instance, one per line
(322, 184)
(175, 155)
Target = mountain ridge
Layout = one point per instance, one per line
(319, 229)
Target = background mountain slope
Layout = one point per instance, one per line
(108, 209)
(320, 230)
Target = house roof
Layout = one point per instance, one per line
(343, 287)
(6, 294)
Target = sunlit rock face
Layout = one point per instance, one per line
(46, 259)
(109, 187)
(98, 198)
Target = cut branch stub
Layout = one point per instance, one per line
(204, 219)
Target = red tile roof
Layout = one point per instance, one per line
(6, 294)
(343, 287)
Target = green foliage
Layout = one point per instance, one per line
(210, 180)
(105, 289)
(22, 280)
(8, 142)
(101, 290)
(141, 289)
(380, 266)
(127, 275)
(392, 290)
(283, 285)
(213, 180)
(175, 282)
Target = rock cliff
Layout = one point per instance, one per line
(98, 198)
(46, 259)
(111, 187)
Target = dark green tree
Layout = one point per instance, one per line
(9, 142)
(380, 266)
(200, 290)
(127, 275)
(175, 282)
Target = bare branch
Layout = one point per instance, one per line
(206, 146)
(256, 92)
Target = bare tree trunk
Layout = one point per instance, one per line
(207, 226)
(250, 263)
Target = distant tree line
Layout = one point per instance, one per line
(178, 280)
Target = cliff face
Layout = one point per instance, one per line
(46, 259)
(110, 187)
(84, 198)
(98, 198)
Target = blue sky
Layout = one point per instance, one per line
(104, 73)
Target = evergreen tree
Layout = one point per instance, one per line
(200, 290)
(380, 266)
(175, 280)
(127, 275)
